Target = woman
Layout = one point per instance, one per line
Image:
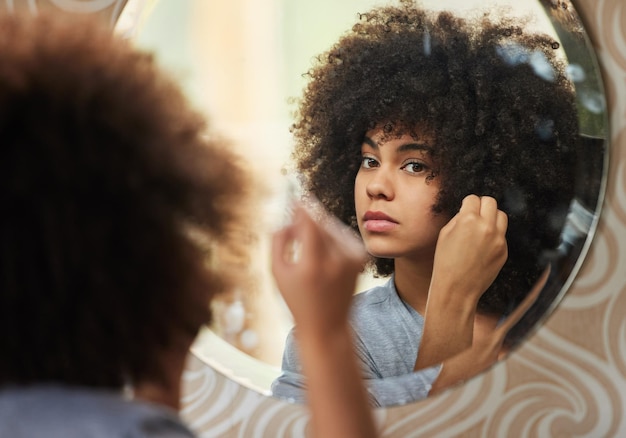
(449, 145)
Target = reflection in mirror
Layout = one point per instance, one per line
(591, 162)
(246, 67)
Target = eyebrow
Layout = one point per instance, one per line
(403, 148)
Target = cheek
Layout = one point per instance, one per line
(358, 182)
(439, 221)
(424, 213)
(423, 196)
(359, 192)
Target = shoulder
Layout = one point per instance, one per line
(373, 307)
(72, 413)
(376, 296)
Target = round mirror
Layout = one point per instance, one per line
(245, 65)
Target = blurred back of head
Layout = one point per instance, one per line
(107, 180)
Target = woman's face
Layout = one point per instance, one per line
(394, 193)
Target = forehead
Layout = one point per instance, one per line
(386, 132)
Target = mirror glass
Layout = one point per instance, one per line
(244, 65)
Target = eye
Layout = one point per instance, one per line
(368, 163)
(414, 167)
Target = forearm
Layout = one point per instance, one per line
(487, 344)
(336, 395)
(448, 326)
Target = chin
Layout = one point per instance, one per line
(381, 253)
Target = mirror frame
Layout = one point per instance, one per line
(568, 378)
(106, 12)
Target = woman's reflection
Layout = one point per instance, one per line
(404, 117)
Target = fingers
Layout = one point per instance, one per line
(488, 208)
(306, 238)
(485, 207)
(470, 204)
(502, 221)
(280, 241)
(345, 240)
(332, 233)
(287, 242)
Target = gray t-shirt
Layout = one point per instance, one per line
(62, 412)
(387, 334)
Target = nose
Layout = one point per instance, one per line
(380, 185)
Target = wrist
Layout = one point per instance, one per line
(458, 299)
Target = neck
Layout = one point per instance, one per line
(166, 391)
(412, 282)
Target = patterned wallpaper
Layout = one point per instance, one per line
(568, 380)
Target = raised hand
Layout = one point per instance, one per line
(470, 252)
(315, 265)
(471, 249)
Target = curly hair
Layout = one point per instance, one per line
(497, 100)
(108, 177)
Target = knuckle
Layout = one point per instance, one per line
(468, 219)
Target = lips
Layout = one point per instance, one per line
(378, 216)
(377, 222)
